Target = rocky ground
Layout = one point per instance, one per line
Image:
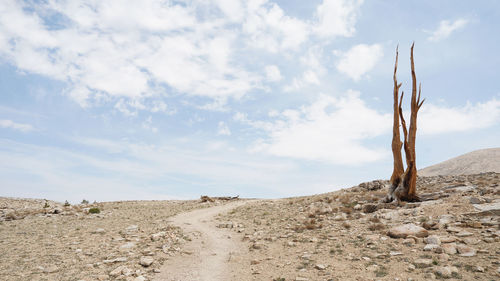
(348, 235)
(45, 240)
(342, 235)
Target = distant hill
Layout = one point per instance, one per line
(475, 162)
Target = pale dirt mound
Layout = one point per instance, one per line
(475, 162)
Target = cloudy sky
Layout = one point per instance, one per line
(113, 100)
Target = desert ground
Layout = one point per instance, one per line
(343, 235)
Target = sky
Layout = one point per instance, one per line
(125, 100)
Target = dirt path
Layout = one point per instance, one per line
(212, 253)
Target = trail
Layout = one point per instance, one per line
(212, 252)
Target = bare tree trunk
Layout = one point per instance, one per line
(404, 184)
(411, 170)
(396, 138)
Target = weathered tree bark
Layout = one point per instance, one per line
(404, 185)
(410, 180)
(398, 169)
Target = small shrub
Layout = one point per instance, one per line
(46, 205)
(66, 203)
(346, 225)
(84, 201)
(94, 211)
(279, 279)
(374, 219)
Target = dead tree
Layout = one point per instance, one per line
(403, 185)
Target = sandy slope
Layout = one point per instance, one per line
(209, 254)
(475, 162)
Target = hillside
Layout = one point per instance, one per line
(475, 162)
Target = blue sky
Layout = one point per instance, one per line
(118, 100)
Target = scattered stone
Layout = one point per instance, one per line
(320, 266)
(300, 278)
(405, 230)
(140, 278)
(432, 239)
(466, 251)
(228, 224)
(132, 229)
(494, 208)
(431, 247)
(119, 271)
(450, 248)
(146, 261)
(464, 234)
(446, 219)
(445, 271)
(99, 231)
(158, 236)
(422, 263)
(128, 245)
(393, 253)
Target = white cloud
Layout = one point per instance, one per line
(268, 27)
(111, 50)
(359, 60)
(438, 120)
(446, 28)
(5, 123)
(273, 73)
(330, 130)
(148, 125)
(223, 129)
(337, 17)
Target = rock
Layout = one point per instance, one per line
(453, 229)
(443, 257)
(448, 239)
(254, 262)
(99, 231)
(429, 225)
(446, 219)
(432, 239)
(320, 266)
(357, 207)
(228, 224)
(422, 263)
(408, 242)
(369, 208)
(471, 241)
(146, 261)
(490, 207)
(431, 247)
(443, 272)
(464, 234)
(475, 200)
(140, 278)
(128, 245)
(450, 248)
(465, 188)
(466, 251)
(405, 230)
(120, 259)
(300, 278)
(393, 253)
(132, 229)
(119, 271)
(158, 236)
(479, 269)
